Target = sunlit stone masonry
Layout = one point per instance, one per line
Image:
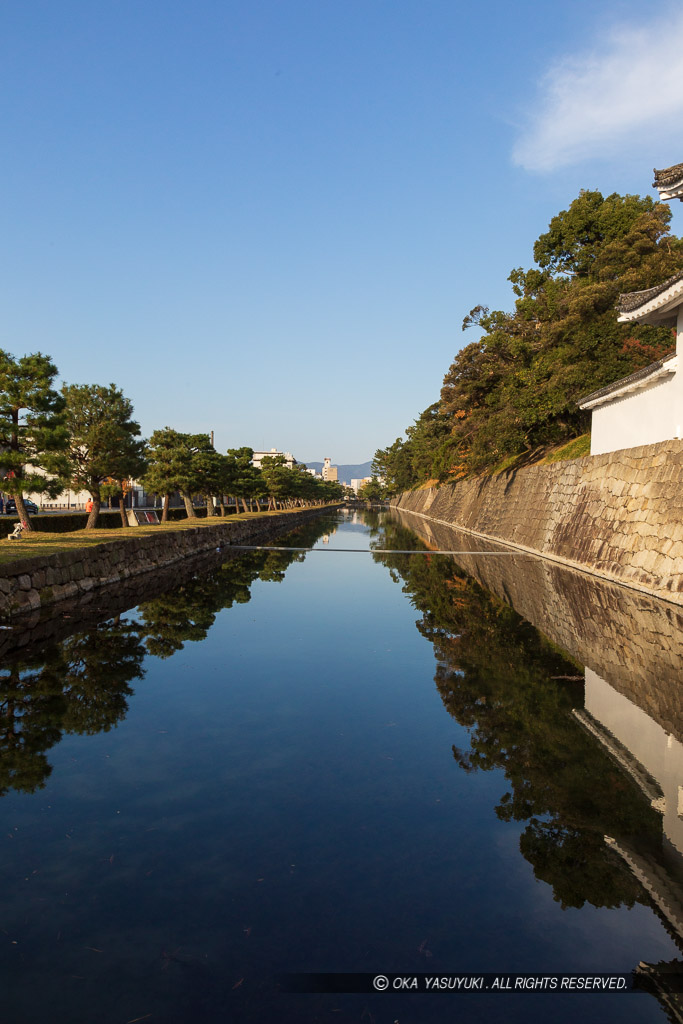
(618, 515)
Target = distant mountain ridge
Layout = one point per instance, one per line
(346, 473)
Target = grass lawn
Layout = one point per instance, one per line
(38, 545)
(574, 449)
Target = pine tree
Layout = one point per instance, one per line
(33, 436)
(167, 465)
(103, 440)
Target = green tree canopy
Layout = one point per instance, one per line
(198, 458)
(277, 479)
(103, 440)
(516, 389)
(187, 463)
(427, 451)
(372, 490)
(246, 483)
(165, 470)
(33, 435)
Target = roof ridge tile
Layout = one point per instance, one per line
(668, 176)
(628, 301)
(632, 378)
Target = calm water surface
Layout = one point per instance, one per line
(337, 762)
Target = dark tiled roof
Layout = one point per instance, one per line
(629, 301)
(668, 177)
(632, 378)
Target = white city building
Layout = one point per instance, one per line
(258, 458)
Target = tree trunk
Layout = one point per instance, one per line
(189, 507)
(24, 517)
(209, 507)
(244, 505)
(222, 503)
(164, 514)
(94, 513)
(122, 510)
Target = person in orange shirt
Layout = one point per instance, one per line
(88, 505)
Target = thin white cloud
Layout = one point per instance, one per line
(628, 89)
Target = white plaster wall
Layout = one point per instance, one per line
(644, 417)
(659, 752)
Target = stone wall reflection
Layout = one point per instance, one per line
(632, 641)
(594, 762)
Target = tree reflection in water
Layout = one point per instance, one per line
(82, 684)
(188, 612)
(514, 691)
(78, 686)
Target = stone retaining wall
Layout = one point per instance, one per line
(32, 583)
(618, 516)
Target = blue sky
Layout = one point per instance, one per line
(269, 217)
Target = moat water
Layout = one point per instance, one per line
(342, 761)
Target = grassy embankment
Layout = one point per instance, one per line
(36, 545)
(574, 449)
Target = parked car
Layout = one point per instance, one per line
(11, 506)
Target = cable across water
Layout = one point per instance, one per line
(380, 551)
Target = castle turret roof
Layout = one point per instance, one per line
(669, 182)
(655, 306)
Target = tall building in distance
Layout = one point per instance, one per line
(329, 471)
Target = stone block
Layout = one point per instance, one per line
(675, 551)
(25, 599)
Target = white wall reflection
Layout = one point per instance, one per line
(659, 753)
